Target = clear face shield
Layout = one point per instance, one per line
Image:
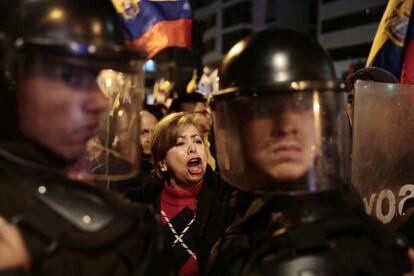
(86, 111)
(112, 153)
(283, 143)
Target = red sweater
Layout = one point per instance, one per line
(173, 201)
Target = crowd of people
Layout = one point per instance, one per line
(254, 182)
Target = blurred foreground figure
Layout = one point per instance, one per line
(59, 63)
(281, 132)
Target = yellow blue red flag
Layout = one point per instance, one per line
(153, 25)
(393, 46)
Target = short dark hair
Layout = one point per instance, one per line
(194, 97)
(154, 110)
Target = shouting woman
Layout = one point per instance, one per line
(188, 197)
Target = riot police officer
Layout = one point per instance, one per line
(281, 133)
(63, 65)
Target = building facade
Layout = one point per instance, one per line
(228, 21)
(346, 29)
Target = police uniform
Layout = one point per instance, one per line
(332, 235)
(69, 227)
(282, 133)
(73, 229)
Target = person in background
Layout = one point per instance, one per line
(367, 74)
(148, 123)
(187, 195)
(194, 103)
(129, 187)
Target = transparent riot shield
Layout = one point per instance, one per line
(383, 150)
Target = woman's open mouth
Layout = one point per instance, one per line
(195, 165)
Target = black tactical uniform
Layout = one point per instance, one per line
(282, 128)
(69, 228)
(331, 236)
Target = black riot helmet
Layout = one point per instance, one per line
(280, 120)
(52, 47)
(64, 28)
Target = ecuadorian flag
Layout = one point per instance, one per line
(393, 46)
(153, 25)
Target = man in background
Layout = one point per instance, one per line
(149, 118)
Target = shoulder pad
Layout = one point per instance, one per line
(86, 211)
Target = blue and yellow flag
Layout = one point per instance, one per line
(153, 25)
(392, 48)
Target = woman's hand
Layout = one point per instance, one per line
(13, 251)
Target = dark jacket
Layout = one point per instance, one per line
(71, 228)
(213, 211)
(328, 232)
(127, 187)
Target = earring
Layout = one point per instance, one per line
(163, 167)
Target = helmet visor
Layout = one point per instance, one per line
(112, 153)
(84, 109)
(283, 142)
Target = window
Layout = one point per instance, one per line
(364, 17)
(270, 11)
(355, 51)
(211, 21)
(313, 13)
(237, 14)
(211, 45)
